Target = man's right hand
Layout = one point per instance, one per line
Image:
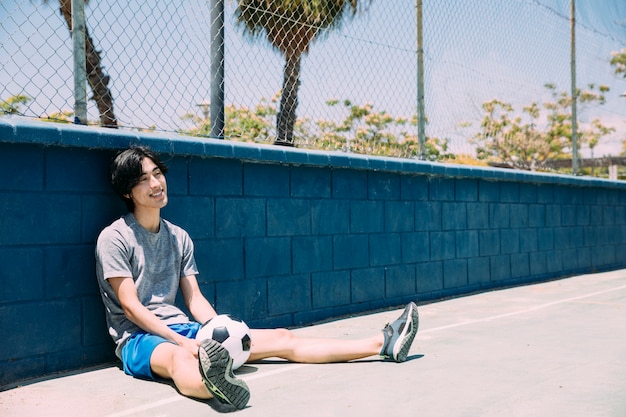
(191, 345)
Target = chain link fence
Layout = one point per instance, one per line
(348, 70)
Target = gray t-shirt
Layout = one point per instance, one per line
(155, 261)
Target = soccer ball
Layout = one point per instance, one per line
(232, 333)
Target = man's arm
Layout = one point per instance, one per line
(198, 306)
(137, 313)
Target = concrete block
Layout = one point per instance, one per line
(429, 277)
(240, 217)
(288, 217)
(595, 215)
(545, 193)
(620, 214)
(414, 187)
(367, 284)
(567, 195)
(536, 215)
(520, 266)
(568, 215)
(441, 189)
(331, 288)
(608, 215)
(489, 242)
(527, 193)
(500, 267)
(310, 182)
(330, 217)
(442, 245)
(478, 270)
(499, 215)
(528, 240)
(367, 216)
(219, 259)
(399, 216)
(94, 328)
(602, 197)
(509, 241)
(103, 210)
(454, 273)
(538, 263)
(519, 215)
(453, 216)
(545, 237)
(383, 185)
(553, 215)
(467, 245)
(415, 247)
(194, 214)
(488, 191)
(428, 216)
(563, 237)
(583, 258)
(312, 254)
(215, 177)
(21, 167)
(350, 184)
(509, 192)
(554, 261)
(466, 189)
(400, 281)
(350, 251)
(79, 357)
(57, 212)
(70, 271)
(21, 275)
(45, 321)
(613, 196)
(177, 175)
(289, 294)
(244, 299)
(18, 369)
(267, 256)
(77, 169)
(477, 215)
(385, 249)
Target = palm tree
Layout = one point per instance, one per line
(97, 79)
(290, 26)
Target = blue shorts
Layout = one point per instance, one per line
(138, 349)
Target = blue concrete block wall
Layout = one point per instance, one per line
(283, 237)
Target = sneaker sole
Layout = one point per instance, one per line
(408, 334)
(216, 369)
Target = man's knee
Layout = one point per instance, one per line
(284, 335)
(168, 358)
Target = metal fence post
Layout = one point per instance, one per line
(573, 87)
(80, 66)
(217, 69)
(421, 118)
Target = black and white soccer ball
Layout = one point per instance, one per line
(232, 332)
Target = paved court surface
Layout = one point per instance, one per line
(550, 349)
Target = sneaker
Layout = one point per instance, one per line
(217, 374)
(400, 334)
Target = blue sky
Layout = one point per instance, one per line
(475, 50)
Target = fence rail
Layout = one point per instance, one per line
(343, 76)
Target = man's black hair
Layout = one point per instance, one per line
(126, 170)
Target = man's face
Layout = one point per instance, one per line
(151, 190)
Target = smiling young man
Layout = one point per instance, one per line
(142, 261)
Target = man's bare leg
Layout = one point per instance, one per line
(181, 366)
(209, 375)
(284, 344)
(393, 342)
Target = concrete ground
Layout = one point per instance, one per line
(550, 349)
